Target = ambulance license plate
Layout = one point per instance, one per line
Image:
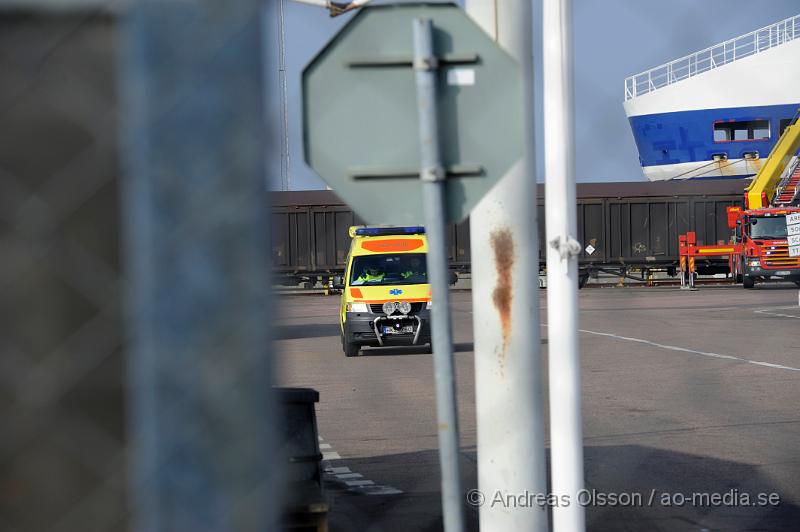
(408, 329)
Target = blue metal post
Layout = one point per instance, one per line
(201, 415)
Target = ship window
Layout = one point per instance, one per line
(785, 122)
(741, 130)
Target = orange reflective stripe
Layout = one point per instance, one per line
(393, 244)
(709, 250)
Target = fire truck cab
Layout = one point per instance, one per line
(762, 247)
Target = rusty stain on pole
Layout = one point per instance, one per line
(503, 245)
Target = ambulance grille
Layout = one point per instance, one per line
(377, 308)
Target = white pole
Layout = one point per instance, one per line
(505, 268)
(566, 441)
(285, 160)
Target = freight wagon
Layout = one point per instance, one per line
(623, 227)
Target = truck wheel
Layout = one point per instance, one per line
(748, 282)
(742, 271)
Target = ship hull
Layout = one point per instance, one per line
(681, 145)
(688, 129)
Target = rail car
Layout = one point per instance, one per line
(623, 227)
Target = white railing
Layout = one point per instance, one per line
(713, 57)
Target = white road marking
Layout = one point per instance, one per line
(354, 483)
(686, 350)
(767, 311)
(349, 476)
(381, 490)
(351, 479)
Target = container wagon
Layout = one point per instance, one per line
(623, 227)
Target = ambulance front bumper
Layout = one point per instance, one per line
(383, 330)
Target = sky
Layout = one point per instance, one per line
(612, 39)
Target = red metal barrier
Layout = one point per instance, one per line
(689, 251)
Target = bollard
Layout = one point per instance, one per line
(305, 504)
(683, 271)
(682, 252)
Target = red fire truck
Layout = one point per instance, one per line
(759, 249)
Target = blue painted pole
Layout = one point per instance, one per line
(201, 415)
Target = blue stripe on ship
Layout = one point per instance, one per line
(688, 136)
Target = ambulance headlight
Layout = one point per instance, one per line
(404, 307)
(357, 307)
(754, 263)
(389, 307)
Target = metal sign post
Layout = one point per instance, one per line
(432, 175)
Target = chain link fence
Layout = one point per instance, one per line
(62, 452)
(98, 432)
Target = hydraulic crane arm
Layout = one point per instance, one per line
(761, 191)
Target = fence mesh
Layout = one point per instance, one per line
(62, 453)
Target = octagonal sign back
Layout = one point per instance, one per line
(360, 121)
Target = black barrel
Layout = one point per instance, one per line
(300, 441)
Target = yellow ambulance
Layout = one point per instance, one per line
(386, 298)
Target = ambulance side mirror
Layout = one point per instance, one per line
(338, 284)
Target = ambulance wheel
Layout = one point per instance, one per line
(748, 282)
(351, 349)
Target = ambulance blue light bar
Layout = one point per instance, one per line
(381, 231)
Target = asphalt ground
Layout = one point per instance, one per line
(686, 396)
